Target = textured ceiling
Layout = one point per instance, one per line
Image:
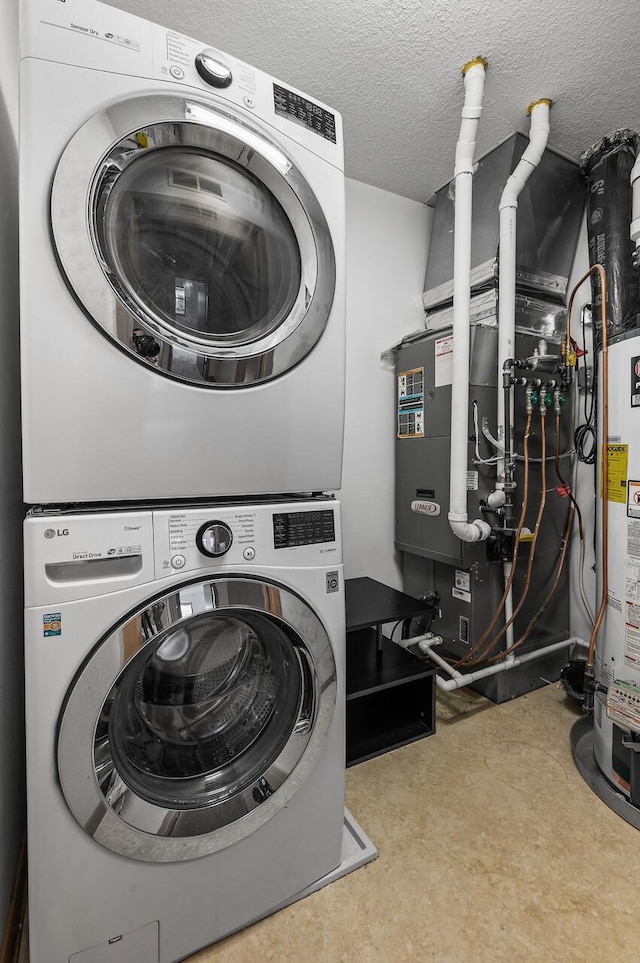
(392, 68)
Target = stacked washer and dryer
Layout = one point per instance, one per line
(182, 326)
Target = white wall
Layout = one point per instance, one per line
(11, 647)
(387, 242)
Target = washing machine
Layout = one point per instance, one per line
(182, 267)
(185, 722)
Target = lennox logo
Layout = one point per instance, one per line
(425, 508)
(52, 532)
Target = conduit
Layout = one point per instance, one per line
(478, 530)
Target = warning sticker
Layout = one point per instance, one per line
(633, 538)
(52, 624)
(632, 633)
(460, 594)
(444, 361)
(411, 403)
(633, 499)
(617, 460)
(472, 481)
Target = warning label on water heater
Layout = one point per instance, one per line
(632, 634)
(617, 462)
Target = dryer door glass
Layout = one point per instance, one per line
(193, 241)
(202, 245)
(222, 696)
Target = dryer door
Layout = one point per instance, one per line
(193, 241)
(196, 720)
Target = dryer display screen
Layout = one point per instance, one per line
(303, 528)
(305, 112)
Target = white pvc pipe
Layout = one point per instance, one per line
(538, 136)
(474, 74)
(459, 680)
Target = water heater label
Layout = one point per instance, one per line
(617, 462)
(632, 633)
(633, 538)
(635, 381)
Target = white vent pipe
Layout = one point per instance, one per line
(474, 74)
(538, 135)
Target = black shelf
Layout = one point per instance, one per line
(370, 669)
(390, 692)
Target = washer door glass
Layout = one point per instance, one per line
(193, 241)
(202, 714)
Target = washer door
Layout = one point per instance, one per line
(197, 719)
(193, 241)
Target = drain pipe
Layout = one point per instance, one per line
(459, 680)
(478, 530)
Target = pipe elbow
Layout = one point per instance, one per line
(476, 531)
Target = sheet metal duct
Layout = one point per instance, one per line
(549, 217)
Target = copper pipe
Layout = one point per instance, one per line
(604, 454)
(509, 582)
(532, 550)
(563, 554)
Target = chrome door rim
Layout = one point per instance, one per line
(110, 142)
(170, 835)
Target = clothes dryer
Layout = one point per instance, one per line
(182, 267)
(185, 723)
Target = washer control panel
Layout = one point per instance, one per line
(200, 538)
(303, 528)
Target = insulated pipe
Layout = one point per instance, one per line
(635, 206)
(538, 136)
(474, 74)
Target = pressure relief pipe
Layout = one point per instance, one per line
(538, 136)
(478, 530)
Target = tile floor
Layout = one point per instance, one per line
(491, 848)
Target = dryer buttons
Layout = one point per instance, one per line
(214, 539)
(178, 561)
(249, 553)
(212, 70)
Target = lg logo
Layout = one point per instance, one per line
(52, 532)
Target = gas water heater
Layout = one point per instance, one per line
(616, 708)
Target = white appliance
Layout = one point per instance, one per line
(182, 265)
(185, 723)
(616, 730)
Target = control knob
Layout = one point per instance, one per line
(212, 70)
(214, 539)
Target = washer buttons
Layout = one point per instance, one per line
(249, 102)
(249, 553)
(176, 72)
(178, 561)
